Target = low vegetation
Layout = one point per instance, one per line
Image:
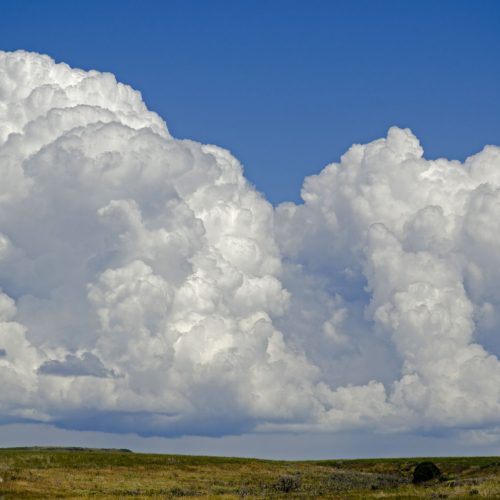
(83, 473)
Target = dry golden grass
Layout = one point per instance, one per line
(62, 473)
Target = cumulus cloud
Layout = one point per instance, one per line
(393, 231)
(147, 287)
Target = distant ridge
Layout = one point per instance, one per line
(67, 448)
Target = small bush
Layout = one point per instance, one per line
(425, 471)
(176, 491)
(288, 483)
(244, 491)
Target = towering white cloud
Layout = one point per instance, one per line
(402, 236)
(147, 287)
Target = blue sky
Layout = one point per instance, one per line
(382, 285)
(287, 86)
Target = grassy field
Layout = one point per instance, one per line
(81, 473)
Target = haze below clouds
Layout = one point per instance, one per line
(147, 287)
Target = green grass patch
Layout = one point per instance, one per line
(89, 473)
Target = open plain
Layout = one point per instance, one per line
(87, 473)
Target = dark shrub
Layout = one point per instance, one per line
(425, 471)
(288, 483)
